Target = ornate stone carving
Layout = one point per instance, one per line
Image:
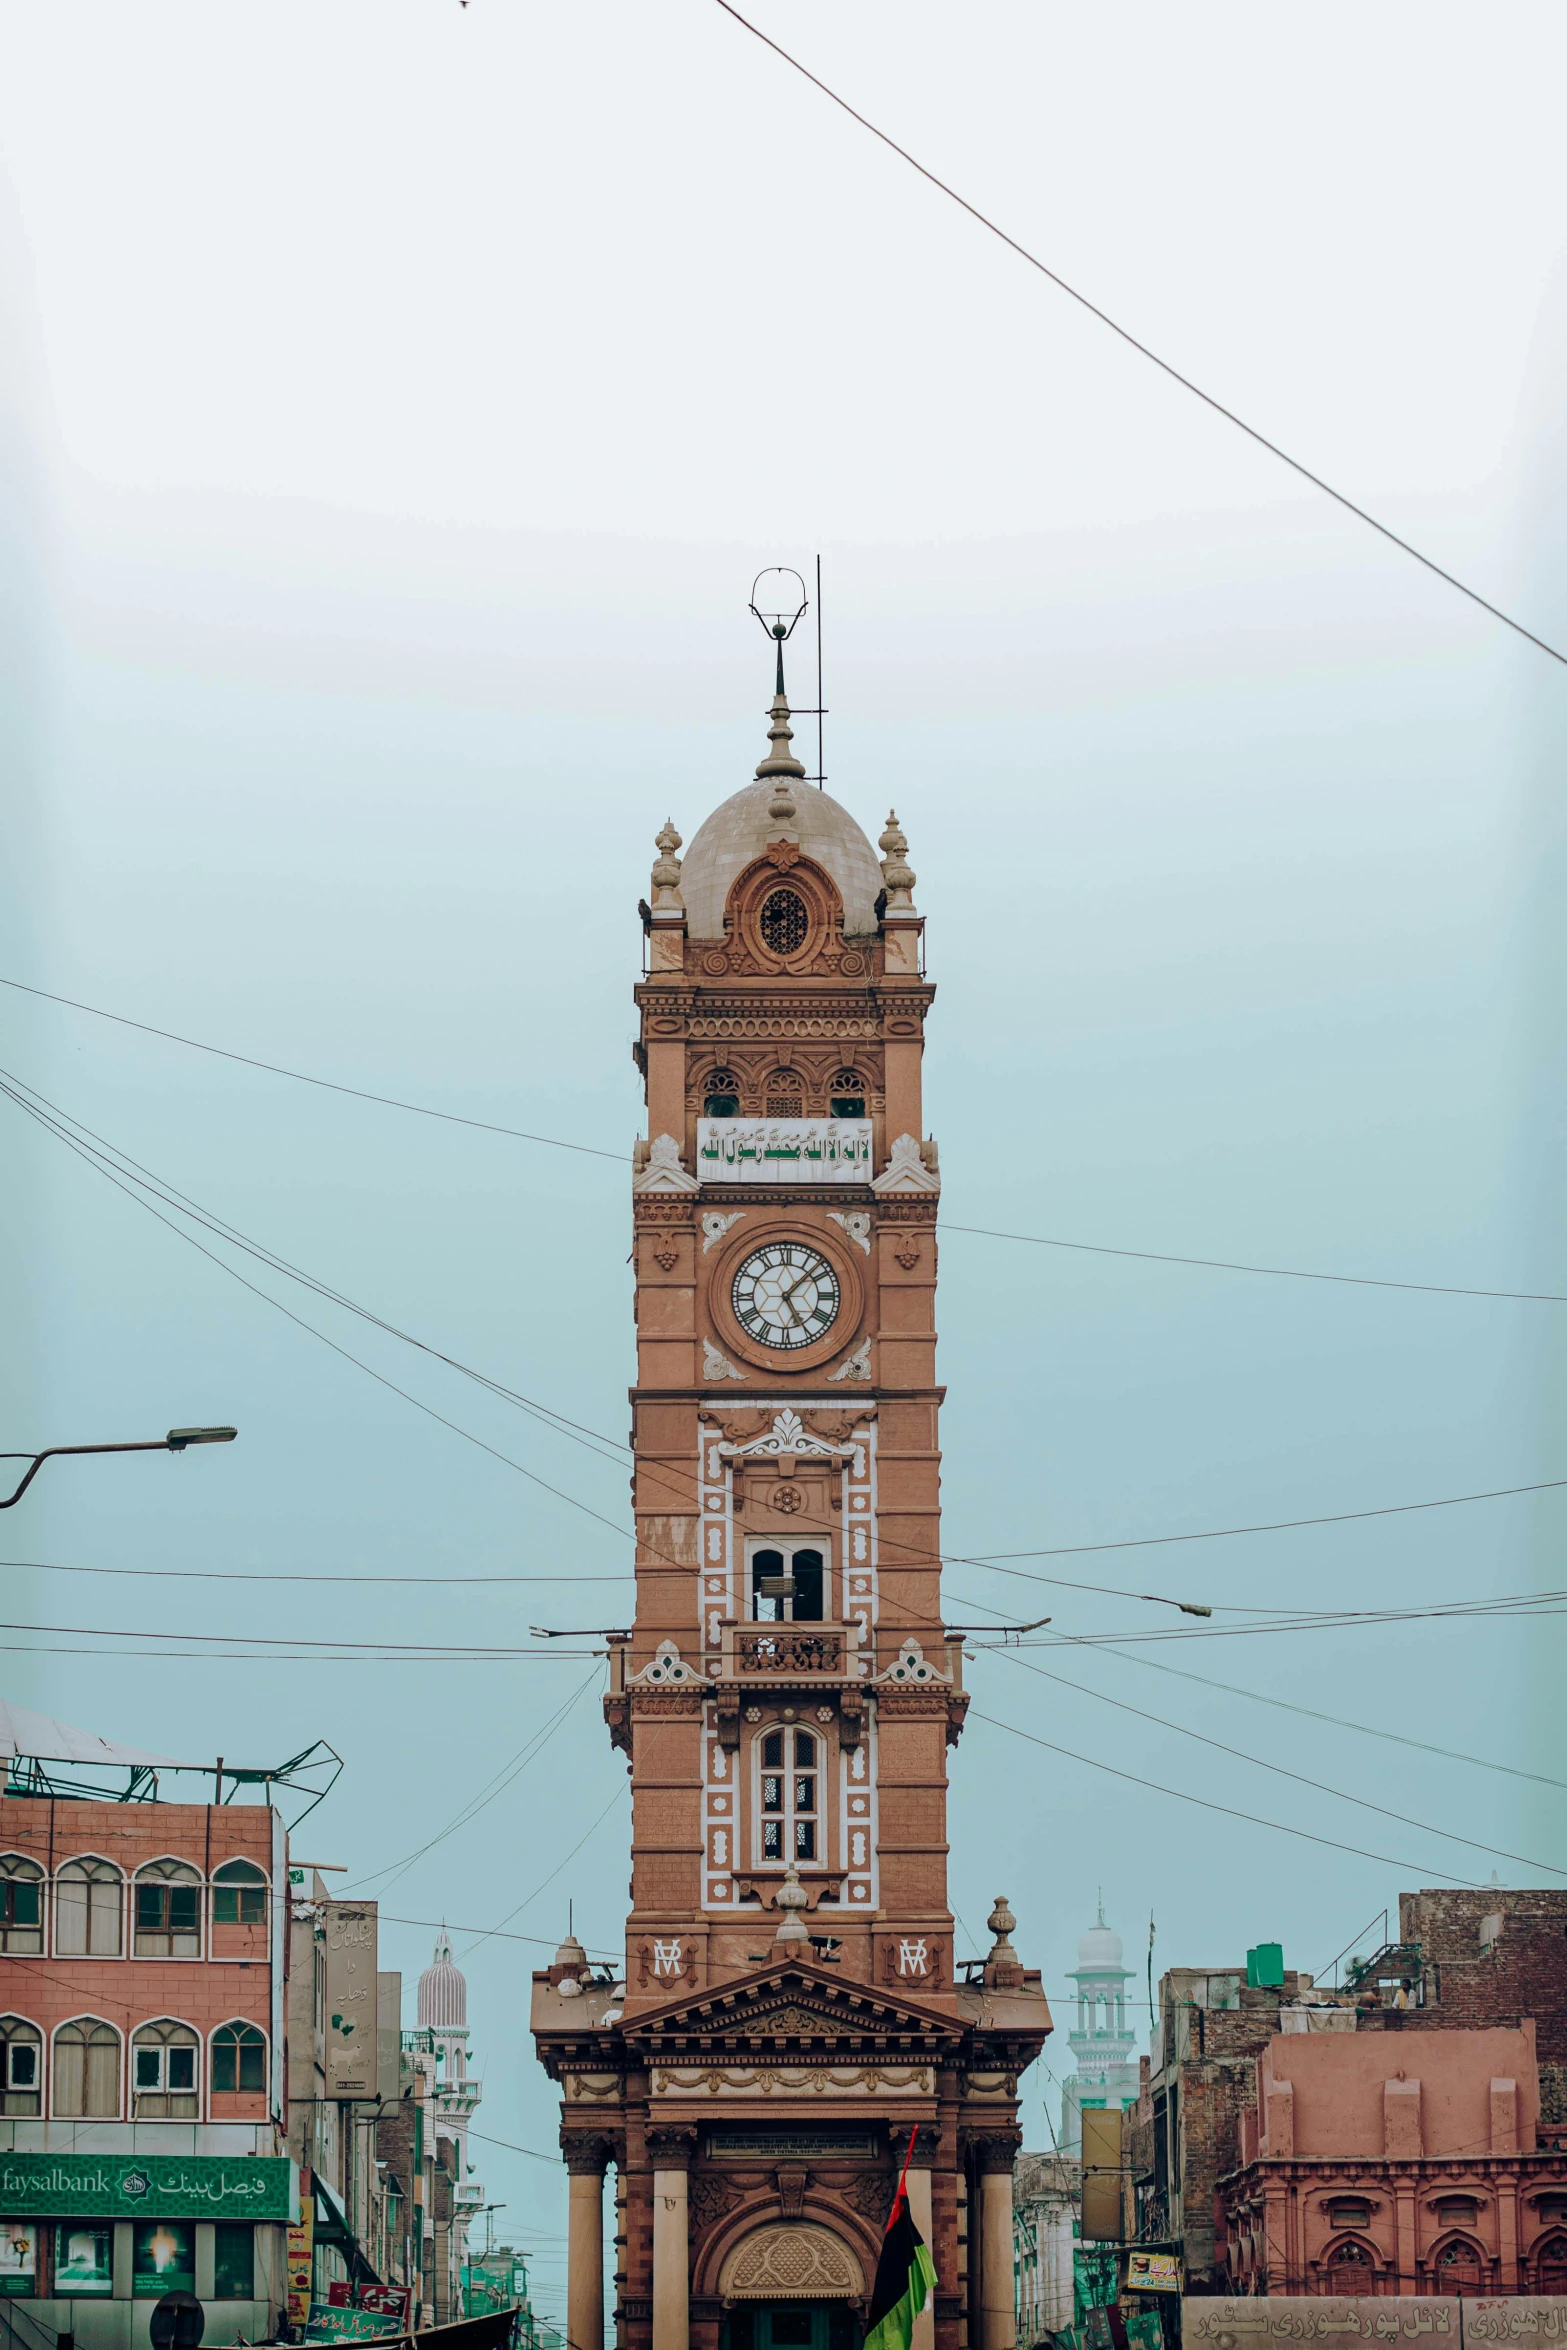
(776, 2080)
(911, 1668)
(792, 2261)
(714, 1226)
(795, 2020)
(717, 1366)
(710, 2200)
(787, 1439)
(869, 2193)
(667, 1257)
(895, 869)
(906, 1169)
(914, 1960)
(666, 874)
(856, 1223)
(670, 2146)
(666, 1669)
(857, 1365)
(667, 1959)
(792, 2179)
(783, 853)
(662, 1171)
(650, 1208)
(908, 1256)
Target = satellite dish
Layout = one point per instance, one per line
(178, 2322)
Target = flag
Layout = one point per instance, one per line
(905, 2278)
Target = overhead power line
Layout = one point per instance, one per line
(1318, 1786)
(1250, 430)
(1154, 1256)
(978, 1231)
(1338, 1722)
(1204, 1803)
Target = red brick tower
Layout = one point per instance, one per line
(791, 2008)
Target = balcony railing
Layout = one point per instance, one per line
(787, 1652)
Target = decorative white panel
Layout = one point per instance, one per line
(783, 1150)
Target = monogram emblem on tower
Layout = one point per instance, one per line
(790, 2012)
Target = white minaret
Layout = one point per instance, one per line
(443, 2013)
(1102, 2043)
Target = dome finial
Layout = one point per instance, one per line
(896, 870)
(666, 872)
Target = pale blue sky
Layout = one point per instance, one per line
(399, 404)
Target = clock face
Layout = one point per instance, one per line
(786, 1295)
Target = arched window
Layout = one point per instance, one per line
(21, 1906)
(806, 1568)
(89, 1909)
(239, 2059)
(785, 1094)
(168, 1910)
(1460, 2267)
(163, 2073)
(790, 1781)
(21, 2066)
(1550, 2267)
(721, 1096)
(1352, 2269)
(803, 1571)
(848, 1095)
(86, 2071)
(239, 1894)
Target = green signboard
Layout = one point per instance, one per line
(150, 2186)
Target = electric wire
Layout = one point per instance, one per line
(1337, 1722)
(1142, 348)
(495, 1786)
(546, 1882)
(1319, 1786)
(1028, 1239)
(1205, 1803)
(327, 1084)
(298, 1319)
(246, 1575)
(97, 1151)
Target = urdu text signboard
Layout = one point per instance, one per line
(1328, 2317)
(351, 1935)
(162, 2186)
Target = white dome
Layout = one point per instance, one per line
(1099, 1947)
(739, 830)
(443, 1991)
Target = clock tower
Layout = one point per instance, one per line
(792, 2014)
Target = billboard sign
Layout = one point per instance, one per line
(351, 1940)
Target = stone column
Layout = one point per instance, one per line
(669, 2152)
(585, 2246)
(997, 2302)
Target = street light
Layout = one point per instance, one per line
(176, 1441)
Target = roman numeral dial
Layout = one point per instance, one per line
(786, 1295)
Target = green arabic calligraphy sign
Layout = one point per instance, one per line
(153, 2186)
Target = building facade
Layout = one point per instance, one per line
(1046, 2201)
(791, 2018)
(1211, 2025)
(1101, 2040)
(1411, 2162)
(142, 2143)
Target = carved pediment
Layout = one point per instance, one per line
(798, 2020)
(795, 1999)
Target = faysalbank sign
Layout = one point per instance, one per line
(154, 2186)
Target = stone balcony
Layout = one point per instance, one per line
(775, 1654)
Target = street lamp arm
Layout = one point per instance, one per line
(176, 1440)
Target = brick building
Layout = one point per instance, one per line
(1396, 2162)
(1491, 1955)
(791, 2013)
(141, 2021)
(1211, 2026)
